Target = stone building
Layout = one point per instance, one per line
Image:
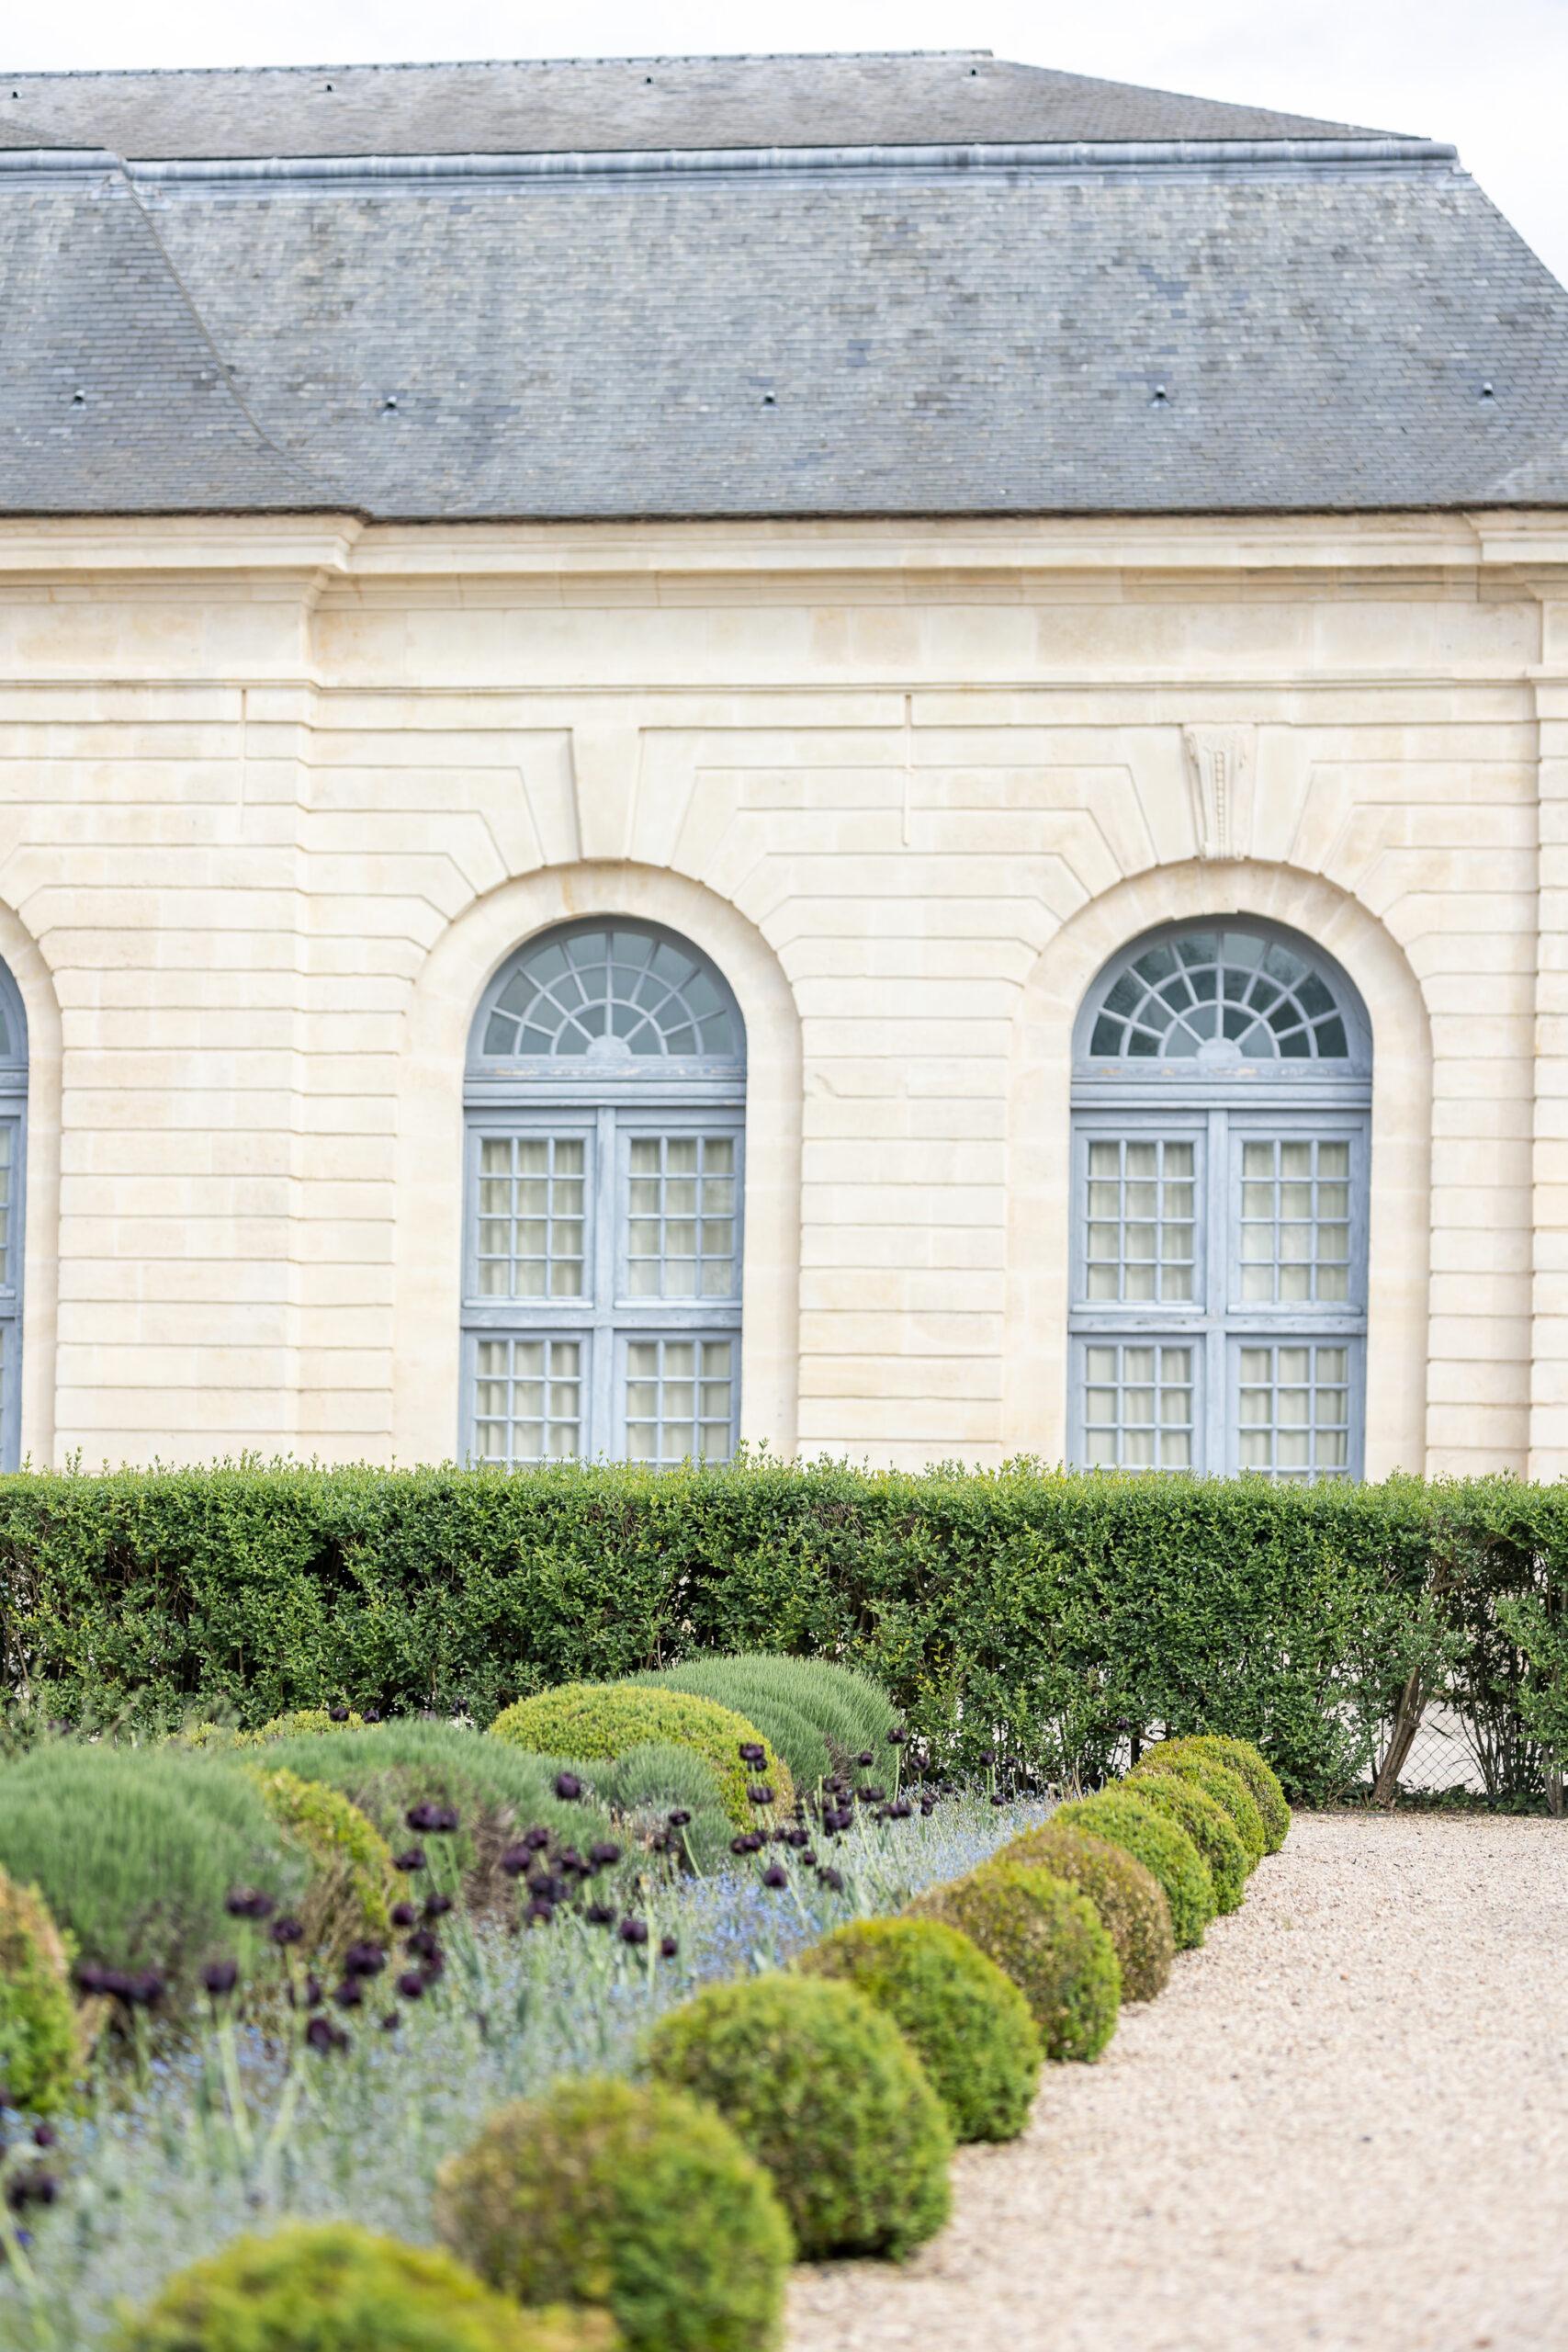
(866, 752)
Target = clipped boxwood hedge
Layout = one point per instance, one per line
(1048, 1938)
(1128, 1897)
(628, 2195)
(336, 2288)
(591, 1719)
(1118, 1814)
(1021, 1617)
(827, 2094)
(966, 2018)
(1221, 1782)
(351, 1891)
(1249, 1766)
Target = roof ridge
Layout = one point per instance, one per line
(531, 64)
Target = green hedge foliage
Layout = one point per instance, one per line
(630, 2197)
(1021, 1619)
(43, 2039)
(1048, 1938)
(609, 1718)
(136, 1850)
(1209, 1826)
(1164, 1850)
(966, 2020)
(335, 2287)
(1128, 1898)
(827, 2096)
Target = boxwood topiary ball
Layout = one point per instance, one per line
(43, 2042)
(1252, 1767)
(1119, 1816)
(629, 2196)
(1227, 1787)
(968, 2022)
(1211, 1829)
(590, 1719)
(825, 2091)
(338, 2288)
(1128, 1897)
(352, 1881)
(1048, 1938)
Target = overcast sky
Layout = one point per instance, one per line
(1490, 74)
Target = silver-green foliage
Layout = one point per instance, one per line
(828, 1713)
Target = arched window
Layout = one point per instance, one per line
(13, 1165)
(1221, 1100)
(606, 1104)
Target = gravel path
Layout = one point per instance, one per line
(1344, 2125)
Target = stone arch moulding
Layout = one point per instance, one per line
(428, 1252)
(40, 1196)
(1040, 1087)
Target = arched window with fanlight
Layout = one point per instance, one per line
(13, 1164)
(605, 1113)
(1221, 1135)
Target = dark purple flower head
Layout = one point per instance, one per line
(516, 1861)
(248, 1903)
(349, 1994)
(323, 2035)
(404, 1914)
(759, 1792)
(411, 1985)
(535, 1840)
(571, 1860)
(775, 1875)
(866, 1757)
(998, 1798)
(411, 1860)
(313, 1996)
(35, 2186)
(808, 1857)
(424, 1944)
(540, 1911)
(797, 1838)
(431, 1820)
(437, 1906)
(391, 2021)
(928, 1806)
(44, 2135)
(568, 1788)
(338, 1714)
(363, 1960)
(633, 1932)
(868, 1795)
(668, 1947)
(678, 1818)
(897, 1735)
(602, 1852)
(145, 1990)
(901, 1809)
(287, 1931)
(829, 1876)
(432, 1968)
(220, 1977)
(371, 1715)
(599, 1915)
(747, 1843)
(91, 1977)
(751, 1751)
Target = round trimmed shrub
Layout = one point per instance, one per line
(1128, 1898)
(351, 1889)
(43, 2041)
(827, 2096)
(298, 1723)
(607, 1718)
(1227, 1790)
(643, 1787)
(630, 2195)
(1259, 1775)
(1048, 1938)
(333, 2286)
(1119, 1816)
(1210, 1828)
(968, 2022)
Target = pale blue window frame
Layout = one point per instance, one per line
(630, 1361)
(1275, 1262)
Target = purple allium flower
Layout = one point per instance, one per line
(998, 1798)
(808, 1857)
(633, 1932)
(323, 2035)
(570, 1859)
(599, 1915)
(897, 1735)
(928, 1806)
(424, 1944)
(349, 1994)
(145, 1990)
(516, 1861)
(680, 1818)
(602, 1852)
(411, 1985)
(371, 1715)
(775, 1875)
(338, 1714)
(868, 1795)
(437, 1906)
(829, 1876)
(391, 2021)
(747, 1843)
(668, 1947)
(412, 1859)
(540, 1911)
(220, 1977)
(759, 1792)
(751, 1751)
(363, 1960)
(44, 2135)
(866, 1756)
(287, 1931)
(402, 1915)
(901, 1809)
(248, 1903)
(568, 1788)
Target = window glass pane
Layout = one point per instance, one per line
(531, 1235)
(1293, 1221)
(612, 994)
(1207, 988)
(1138, 1404)
(529, 1399)
(1138, 1211)
(682, 1240)
(680, 1399)
(1293, 1408)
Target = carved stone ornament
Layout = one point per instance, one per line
(1222, 765)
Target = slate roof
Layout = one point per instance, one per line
(808, 287)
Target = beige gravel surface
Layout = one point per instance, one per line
(1344, 2125)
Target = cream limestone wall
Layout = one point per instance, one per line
(277, 797)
